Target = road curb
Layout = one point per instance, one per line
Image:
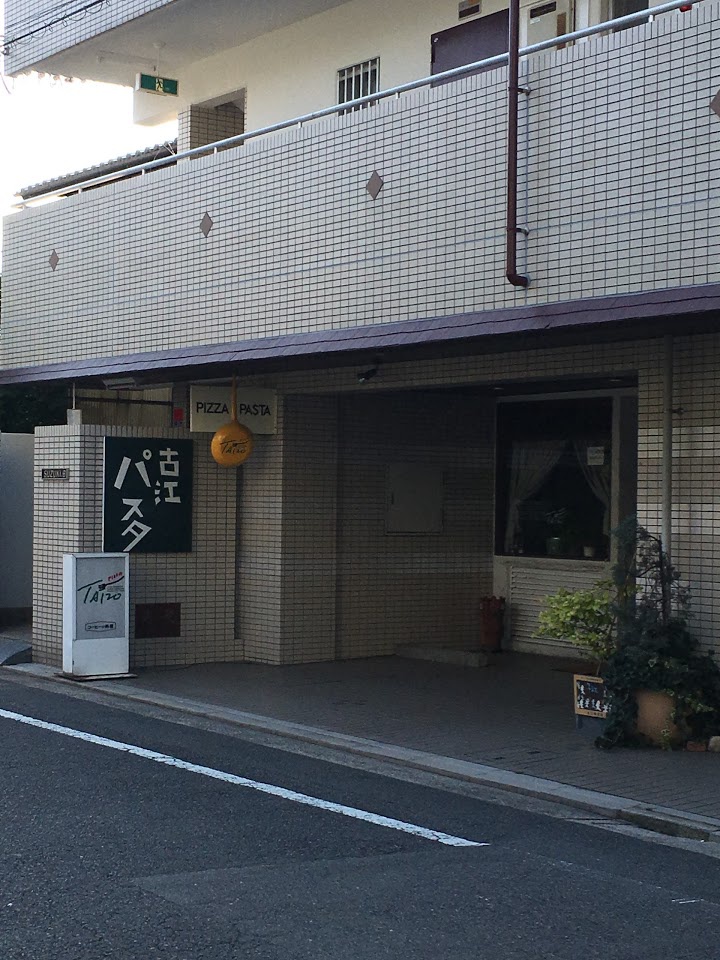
(665, 820)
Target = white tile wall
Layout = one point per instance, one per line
(620, 189)
(413, 589)
(310, 574)
(360, 630)
(68, 519)
(620, 183)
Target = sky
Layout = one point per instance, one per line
(50, 127)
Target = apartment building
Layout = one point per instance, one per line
(462, 371)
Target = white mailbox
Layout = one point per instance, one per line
(96, 614)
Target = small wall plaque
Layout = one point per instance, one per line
(55, 473)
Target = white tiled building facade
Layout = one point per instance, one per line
(292, 557)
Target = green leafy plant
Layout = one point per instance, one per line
(655, 648)
(586, 618)
(24, 408)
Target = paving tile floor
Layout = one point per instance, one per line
(515, 714)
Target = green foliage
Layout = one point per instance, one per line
(655, 648)
(24, 408)
(584, 617)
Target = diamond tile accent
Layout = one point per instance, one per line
(206, 225)
(53, 260)
(374, 185)
(715, 104)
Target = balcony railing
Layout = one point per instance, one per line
(619, 23)
(394, 213)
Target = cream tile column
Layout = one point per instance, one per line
(68, 519)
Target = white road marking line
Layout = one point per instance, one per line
(686, 901)
(353, 812)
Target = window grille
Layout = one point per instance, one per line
(359, 80)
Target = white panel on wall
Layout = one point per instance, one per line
(414, 498)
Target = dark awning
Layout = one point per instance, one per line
(646, 314)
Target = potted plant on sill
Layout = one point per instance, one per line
(556, 521)
(663, 689)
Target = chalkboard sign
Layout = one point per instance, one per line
(590, 696)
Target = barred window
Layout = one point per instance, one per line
(359, 80)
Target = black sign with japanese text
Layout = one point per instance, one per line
(147, 497)
(590, 696)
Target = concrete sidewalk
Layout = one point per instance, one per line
(509, 725)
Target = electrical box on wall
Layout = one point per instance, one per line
(414, 498)
(545, 20)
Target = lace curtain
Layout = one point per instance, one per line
(598, 478)
(531, 462)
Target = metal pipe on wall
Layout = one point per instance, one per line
(511, 227)
(667, 445)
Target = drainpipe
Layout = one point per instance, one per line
(514, 91)
(667, 444)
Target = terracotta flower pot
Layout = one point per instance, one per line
(654, 713)
(492, 617)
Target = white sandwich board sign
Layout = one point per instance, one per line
(96, 639)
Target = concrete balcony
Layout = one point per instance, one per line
(112, 41)
(619, 191)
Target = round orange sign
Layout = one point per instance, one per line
(232, 444)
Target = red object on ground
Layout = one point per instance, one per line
(492, 623)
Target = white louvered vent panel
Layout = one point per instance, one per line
(530, 585)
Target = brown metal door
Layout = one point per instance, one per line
(469, 42)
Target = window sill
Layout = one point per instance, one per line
(521, 560)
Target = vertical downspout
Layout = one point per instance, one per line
(514, 91)
(667, 444)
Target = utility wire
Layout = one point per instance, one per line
(79, 12)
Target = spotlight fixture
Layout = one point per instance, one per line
(366, 375)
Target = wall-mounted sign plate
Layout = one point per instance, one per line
(210, 409)
(55, 473)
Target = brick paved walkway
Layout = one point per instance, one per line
(515, 715)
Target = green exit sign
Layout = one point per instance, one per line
(151, 84)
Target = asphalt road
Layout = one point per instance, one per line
(107, 854)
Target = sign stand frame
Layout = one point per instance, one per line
(96, 646)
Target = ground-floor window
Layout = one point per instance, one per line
(553, 478)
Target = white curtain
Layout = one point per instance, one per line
(598, 478)
(531, 462)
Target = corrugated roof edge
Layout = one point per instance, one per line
(684, 303)
(147, 154)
